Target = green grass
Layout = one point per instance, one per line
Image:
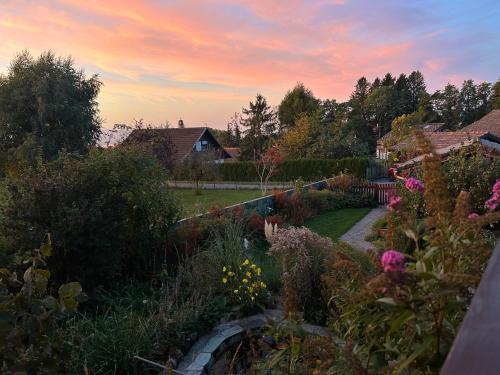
(335, 223)
(196, 204)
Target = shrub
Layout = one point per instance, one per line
(30, 342)
(109, 214)
(291, 170)
(472, 171)
(301, 254)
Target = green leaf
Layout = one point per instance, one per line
(70, 290)
(411, 234)
(403, 318)
(46, 249)
(418, 351)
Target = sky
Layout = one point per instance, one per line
(202, 61)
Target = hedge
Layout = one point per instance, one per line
(290, 170)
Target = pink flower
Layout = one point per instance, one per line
(496, 187)
(394, 203)
(493, 202)
(414, 185)
(393, 260)
(473, 216)
(392, 171)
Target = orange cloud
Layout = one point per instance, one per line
(207, 59)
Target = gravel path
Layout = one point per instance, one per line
(356, 235)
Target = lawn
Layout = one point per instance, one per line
(195, 204)
(335, 223)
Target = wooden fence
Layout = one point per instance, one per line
(379, 191)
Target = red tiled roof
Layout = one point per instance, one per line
(430, 127)
(445, 139)
(489, 123)
(183, 139)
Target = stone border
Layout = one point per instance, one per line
(208, 348)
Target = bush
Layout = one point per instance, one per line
(30, 342)
(291, 170)
(108, 213)
(301, 254)
(474, 172)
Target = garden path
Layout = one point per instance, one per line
(356, 235)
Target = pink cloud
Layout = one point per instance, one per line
(214, 55)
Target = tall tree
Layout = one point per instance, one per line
(495, 96)
(298, 101)
(259, 122)
(46, 105)
(484, 93)
(361, 90)
(468, 101)
(447, 104)
(380, 108)
(416, 87)
(388, 80)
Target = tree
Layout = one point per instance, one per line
(259, 121)
(298, 101)
(468, 101)
(416, 86)
(495, 96)
(388, 80)
(198, 167)
(380, 108)
(267, 166)
(361, 91)
(47, 105)
(447, 104)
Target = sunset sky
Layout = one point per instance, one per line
(203, 60)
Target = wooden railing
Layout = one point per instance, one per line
(476, 349)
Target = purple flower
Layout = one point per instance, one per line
(393, 260)
(496, 187)
(394, 202)
(414, 185)
(473, 216)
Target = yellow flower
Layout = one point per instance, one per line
(224, 280)
(235, 291)
(253, 266)
(249, 274)
(224, 269)
(244, 281)
(259, 271)
(230, 273)
(263, 284)
(246, 262)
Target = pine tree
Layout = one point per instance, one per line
(259, 121)
(416, 87)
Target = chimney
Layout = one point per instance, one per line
(181, 124)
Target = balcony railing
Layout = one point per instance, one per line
(476, 349)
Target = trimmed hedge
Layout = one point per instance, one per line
(290, 170)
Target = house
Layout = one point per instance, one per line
(445, 142)
(184, 142)
(489, 123)
(234, 152)
(385, 148)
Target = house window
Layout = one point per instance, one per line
(198, 146)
